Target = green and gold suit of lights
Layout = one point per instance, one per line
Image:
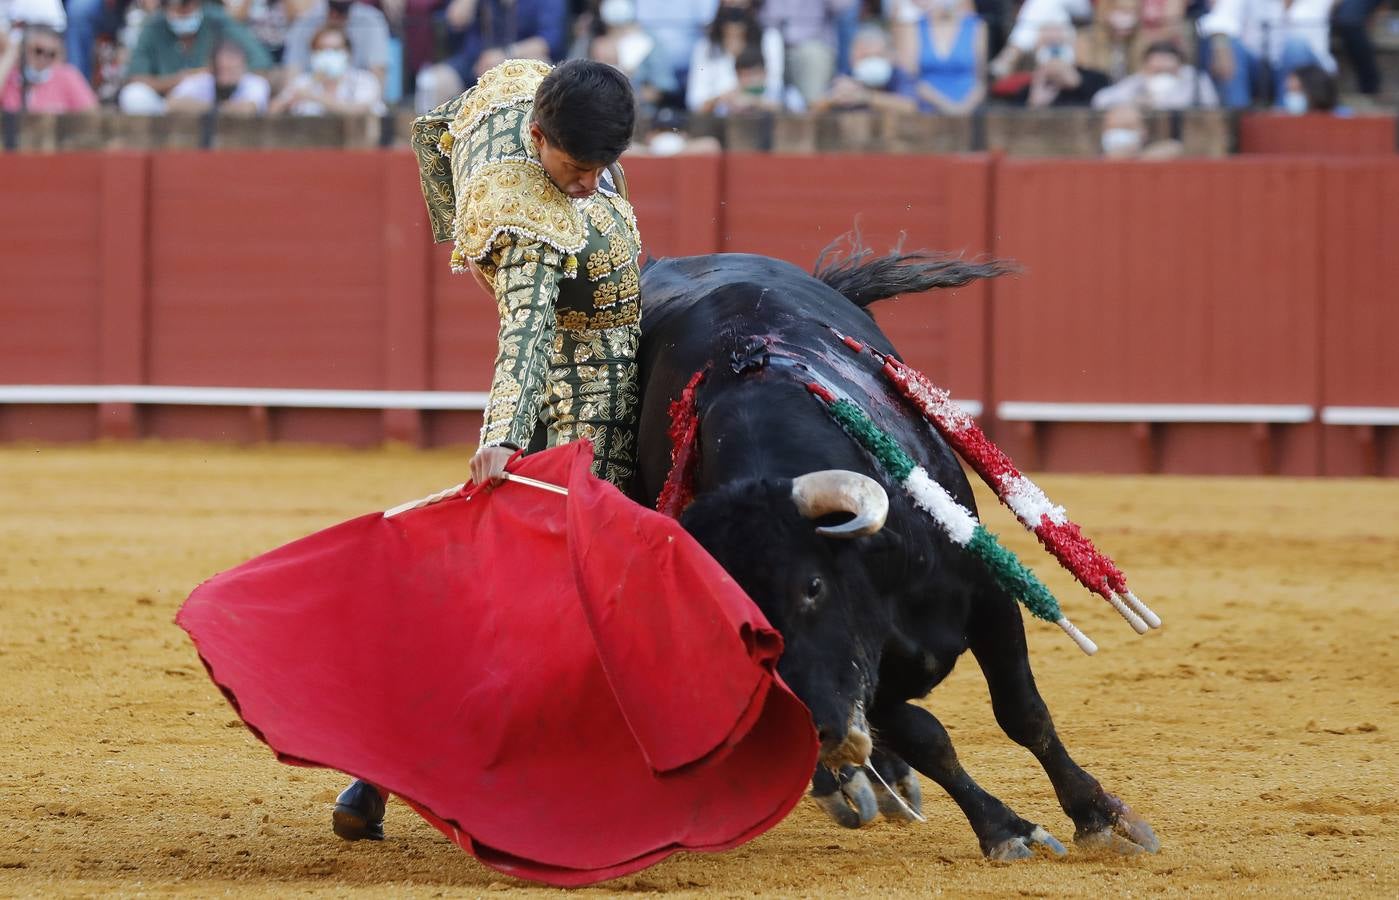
(564, 272)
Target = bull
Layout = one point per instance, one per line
(875, 604)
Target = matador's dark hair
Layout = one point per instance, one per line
(587, 109)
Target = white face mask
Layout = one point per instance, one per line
(330, 63)
(37, 76)
(1295, 102)
(1062, 52)
(873, 71)
(615, 13)
(944, 7)
(186, 25)
(1161, 85)
(1121, 141)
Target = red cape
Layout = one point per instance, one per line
(569, 688)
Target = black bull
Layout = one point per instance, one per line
(871, 622)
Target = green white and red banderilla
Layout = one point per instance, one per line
(955, 520)
(1048, 521)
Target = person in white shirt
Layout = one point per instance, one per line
(713, 79)
(331, 87)
(1245, 40)
(1024, 38)
(1163, 82)
(228, 84)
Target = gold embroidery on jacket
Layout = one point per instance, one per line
(599, 265)
(513, 81)
(518, 198)
(605, 294)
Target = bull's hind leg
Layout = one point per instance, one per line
(1100, 819)
(916, 735)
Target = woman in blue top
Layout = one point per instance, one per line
(942, 49)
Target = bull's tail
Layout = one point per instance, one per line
(850, 267)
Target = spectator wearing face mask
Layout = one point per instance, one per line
(713, 72)
(332, 86)
(616, 38)
(1243, 39)
(1164, 82)
(1125, 137)
(1311, 89)
(943, 53)
(1057, 79)
(229, 85)
(1024, 38)
(365, 26)
(35, 78)
(752, 92)
(178, 43)
(874, 81)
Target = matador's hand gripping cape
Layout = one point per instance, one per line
(564, 272)
(569, 688)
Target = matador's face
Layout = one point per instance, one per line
(577, 180)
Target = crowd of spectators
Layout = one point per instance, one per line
(687, 58)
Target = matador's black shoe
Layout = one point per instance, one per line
(359, 813)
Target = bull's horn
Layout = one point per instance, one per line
(839, 490)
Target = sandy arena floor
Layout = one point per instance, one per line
(1257, 731)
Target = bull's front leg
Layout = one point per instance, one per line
(852, 797)
(1100, 819)
(900, 796)
(846, 795)
(916, 735)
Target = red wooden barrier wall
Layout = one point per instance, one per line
(1322, 135)
(1244, 281)
(57, 237)
(1192, 283)
(1360, 310)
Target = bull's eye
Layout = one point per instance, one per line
(813, 588)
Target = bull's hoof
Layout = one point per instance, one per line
(904, 803)
(359, 813)
(849, 800)
(1127, 835)
(1026, 847)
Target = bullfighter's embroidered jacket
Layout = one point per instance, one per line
(564, 272)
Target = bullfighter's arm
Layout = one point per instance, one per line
(527, 277)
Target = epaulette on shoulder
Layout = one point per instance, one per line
(514, 197)
(513, 81)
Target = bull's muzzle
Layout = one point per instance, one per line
(852, 747)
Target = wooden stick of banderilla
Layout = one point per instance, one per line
(456, 489)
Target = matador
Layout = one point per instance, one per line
(520, 173)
